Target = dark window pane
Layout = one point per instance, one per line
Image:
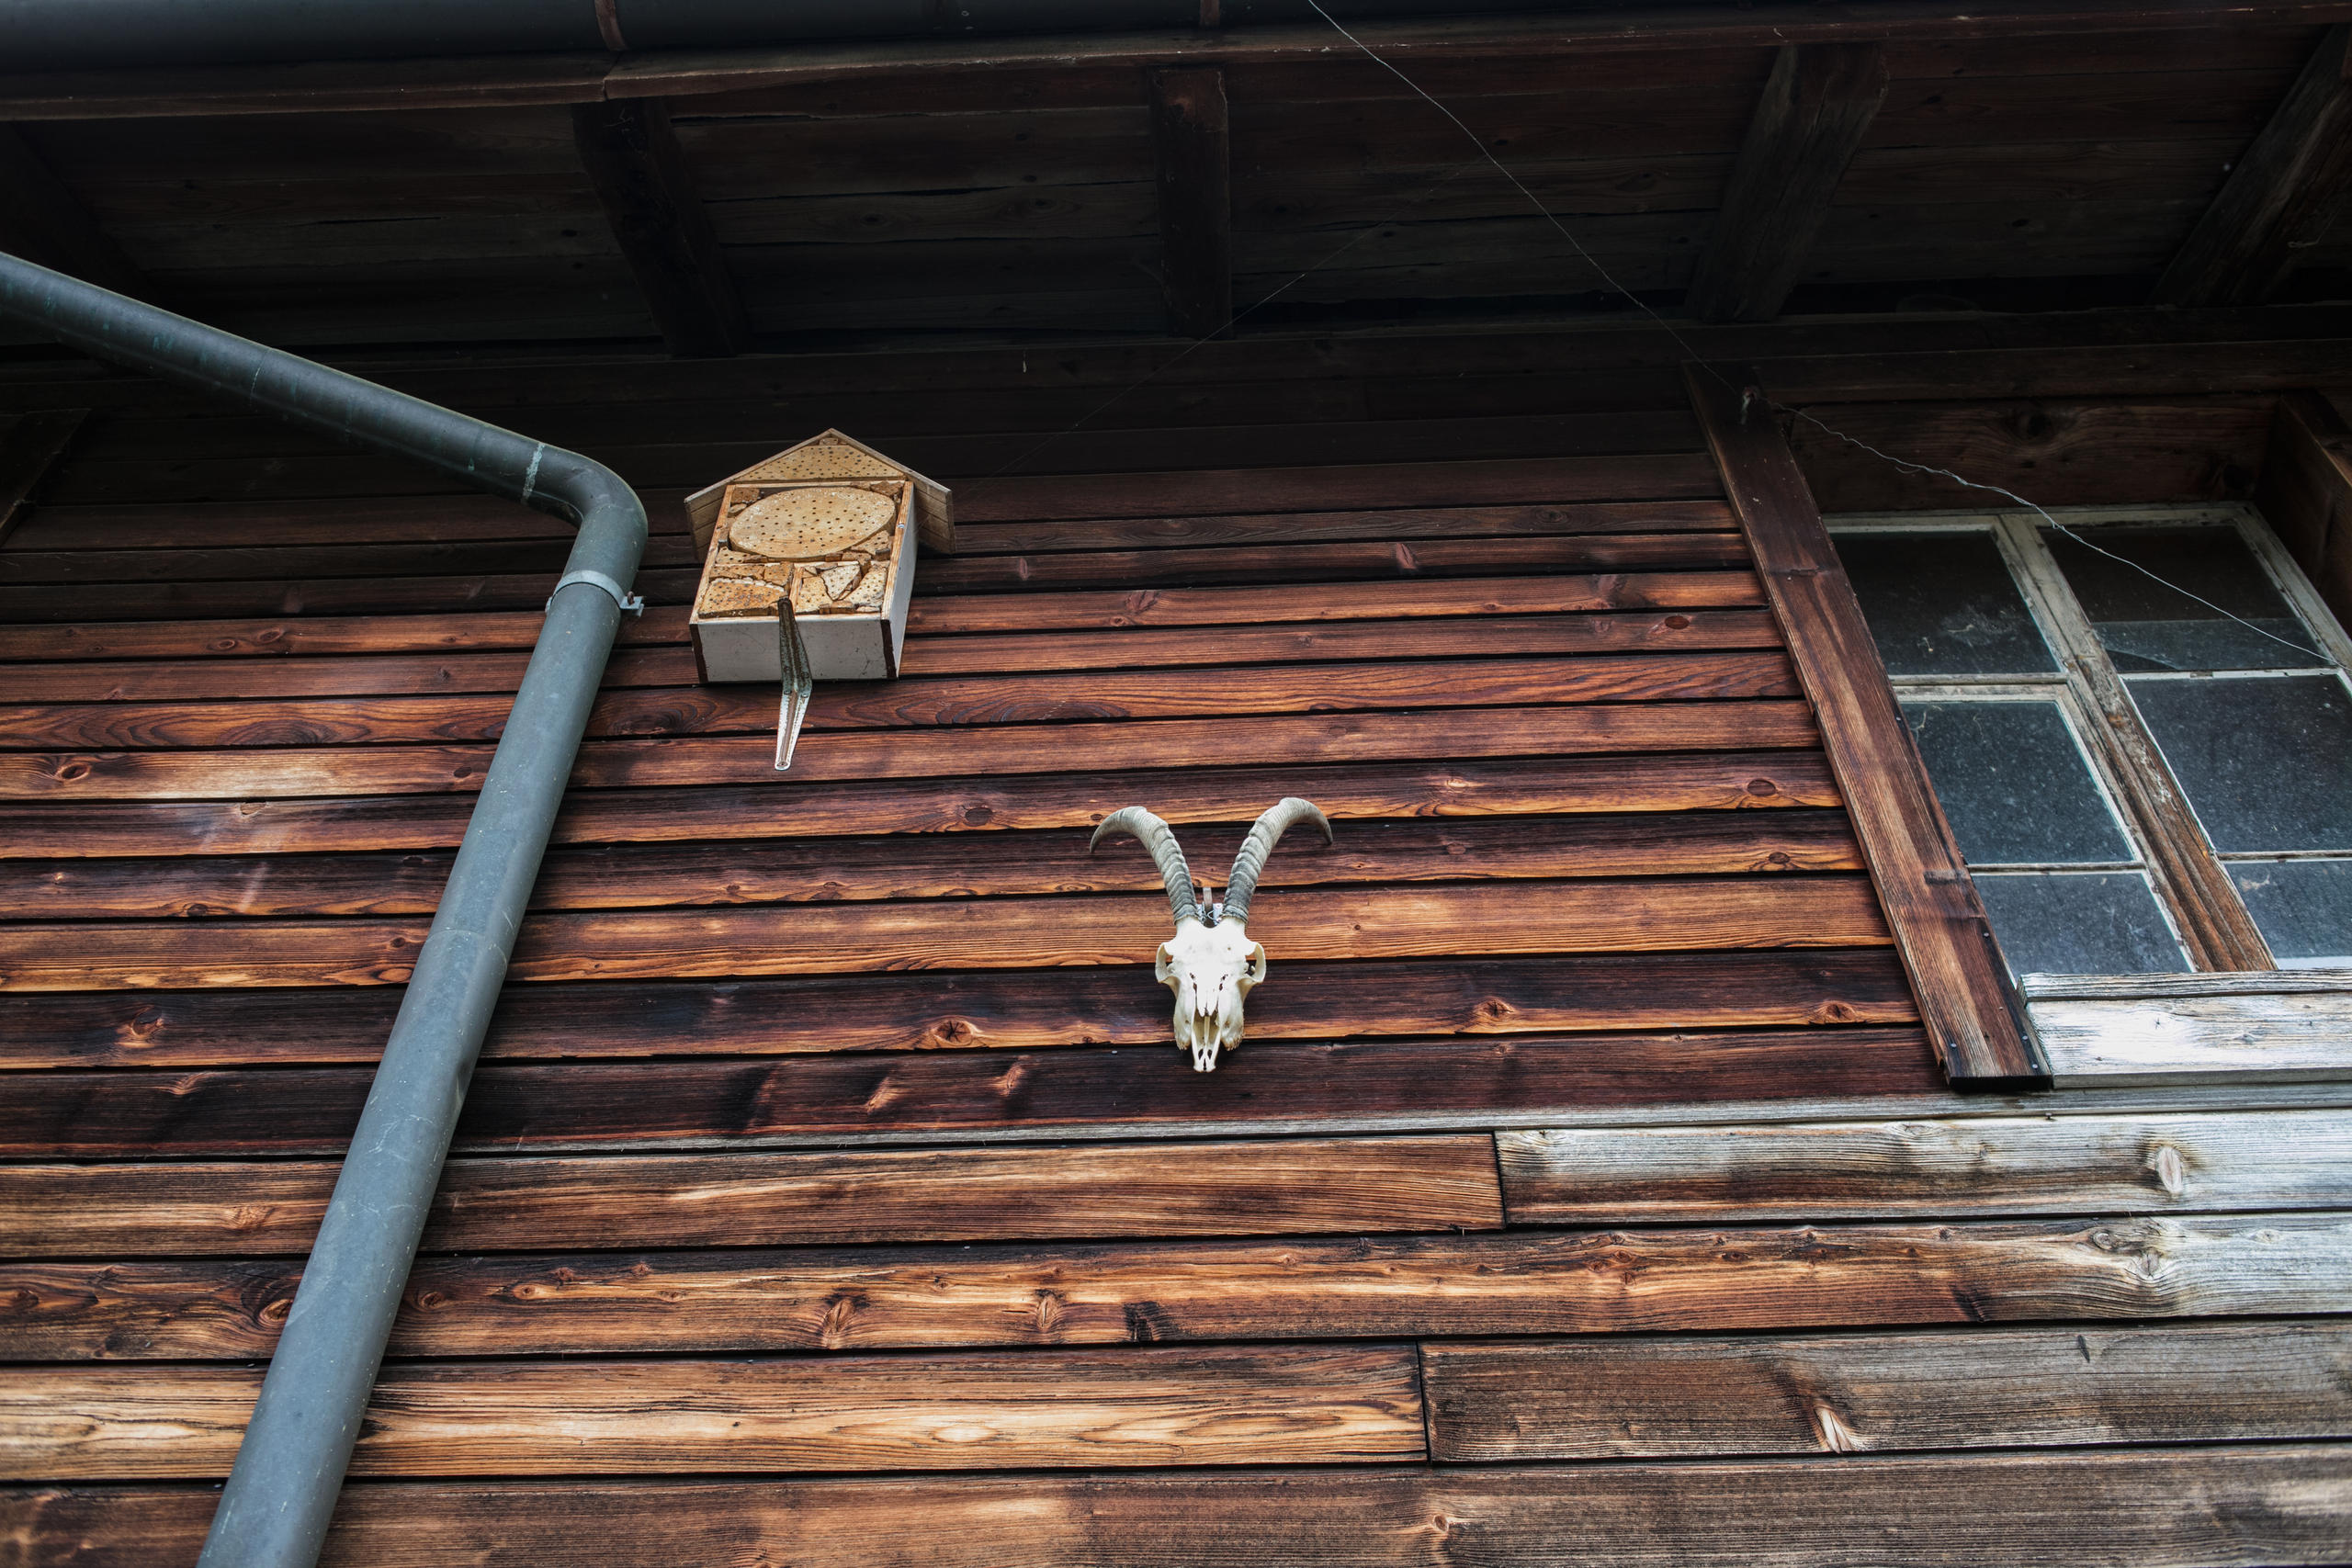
(2014, 783)
(2147, 626)
(2304, 907)
(1942, 604)
(2079, 922)
(2265, 763)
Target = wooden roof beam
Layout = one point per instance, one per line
(1194, 148)
(1817, 105)
(632, 155)
(42, 220)
(482, 80)
(2284, 194)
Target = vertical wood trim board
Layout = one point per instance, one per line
(1963, 987)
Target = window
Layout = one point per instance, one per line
(2140, 781)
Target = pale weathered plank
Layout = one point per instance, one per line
(1711, 1281)
(1680, 1397)
(1979, 1166)
(985, 1412)
(768, 1200)
(2266, 1027)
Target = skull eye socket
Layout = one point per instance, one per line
(1257, 962)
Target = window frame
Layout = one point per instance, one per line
(2194, 885)
(2228, 1021)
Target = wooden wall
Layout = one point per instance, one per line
(1458, 1258)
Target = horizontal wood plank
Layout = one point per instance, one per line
(988, 865)
(914, 1095)
(2182, 1509)
(2154, 1038)
(312, 630)
(1407, 922)
(2055, 1165)
(1370, 560)
(772, 1200)
(1064, 1408)
(2166, 1509)
(1715, 1281)
(914, 702)
(1003, 1010)
(1867, 1394)
(1534, 594)
(175, 679)
(1733, 782)
(288, 771)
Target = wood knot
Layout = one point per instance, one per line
(1831, 1432)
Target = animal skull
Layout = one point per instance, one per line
(1211, 969)
(1210, 964)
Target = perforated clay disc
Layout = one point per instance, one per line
(807, 524)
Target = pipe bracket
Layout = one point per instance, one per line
(630, 603)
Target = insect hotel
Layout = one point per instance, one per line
(1557, 786)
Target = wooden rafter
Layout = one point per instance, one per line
(2285, 193)
(632, 155)
(29, 448)
(1194, 151)
(1966, 1002)
(1816, 108)
(42, 220)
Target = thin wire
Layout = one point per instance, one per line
(1909, 466)
(1577, 245)
(1700, 360)
(1173, 361)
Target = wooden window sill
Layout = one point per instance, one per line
(2140, 1030)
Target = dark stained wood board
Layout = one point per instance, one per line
(1156, 648)
(1296, 740)
(827, 870)
(1729, 782)
(917, 702)
(2150, 1509)
(959, 1095)
(1495, 918)
(985, 1010)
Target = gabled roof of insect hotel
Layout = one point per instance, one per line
(829, 456)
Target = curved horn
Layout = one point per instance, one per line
(1259, 844)
(1166, 853)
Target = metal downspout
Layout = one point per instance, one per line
(290, 1469)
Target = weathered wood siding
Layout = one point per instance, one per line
(673, 1307)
